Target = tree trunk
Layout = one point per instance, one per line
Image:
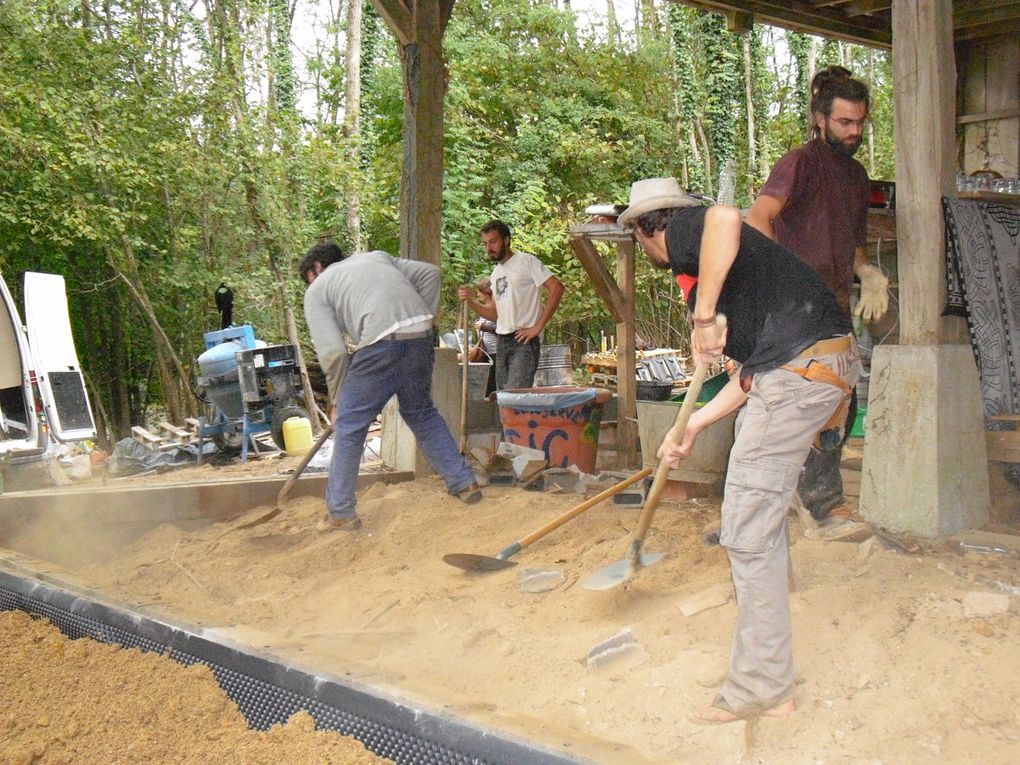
(752, 143)
(708, 156)
(612, 25)
(166, 358)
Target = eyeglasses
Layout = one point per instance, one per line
(845, 123)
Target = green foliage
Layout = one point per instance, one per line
(140, 143)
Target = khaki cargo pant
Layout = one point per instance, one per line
(775, 429)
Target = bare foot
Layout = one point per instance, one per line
(782, 709)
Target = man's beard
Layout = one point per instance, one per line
(840, 147)
(498, 257)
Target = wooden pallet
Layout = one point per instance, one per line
(168, 435)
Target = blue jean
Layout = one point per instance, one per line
(516, 363)
(401, 368)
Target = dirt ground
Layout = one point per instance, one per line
(902, 656)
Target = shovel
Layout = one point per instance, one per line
(288, 484)
(472, 562)
(616, 573)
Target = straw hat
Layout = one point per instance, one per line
(655, 194)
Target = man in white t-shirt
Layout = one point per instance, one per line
(516, 307)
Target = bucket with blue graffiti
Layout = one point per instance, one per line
(562, 421)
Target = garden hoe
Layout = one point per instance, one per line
(472, 562)
(620, 571)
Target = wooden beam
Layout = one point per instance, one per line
(1006, 15)
(739, 23)
(985, 32)
(1001, 114)
(924, 100)
(601, 280)
(863, 7)
(803, 17)
(397, 16)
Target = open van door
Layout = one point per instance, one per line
(60, 379)
(22, 436)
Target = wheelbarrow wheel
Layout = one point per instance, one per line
(280, 416)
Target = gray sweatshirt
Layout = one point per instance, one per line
(362, 299)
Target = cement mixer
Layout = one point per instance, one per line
(252, 388)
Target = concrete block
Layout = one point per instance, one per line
(620, 651)
(537, 580)
(978, 605)
(925, 469)
(713, 597)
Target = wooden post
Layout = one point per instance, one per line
(626, 377)
(618, 295)
(924, 87)
(418, 26)
(924, 471)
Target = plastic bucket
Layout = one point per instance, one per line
(297, 435)
(478, 379)
(563, 422)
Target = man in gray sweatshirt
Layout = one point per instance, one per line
(370, 317)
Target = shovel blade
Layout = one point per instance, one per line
(617, 573)
(472, 562)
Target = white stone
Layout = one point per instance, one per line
(977, 605)
(713, 597)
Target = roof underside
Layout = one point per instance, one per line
(863, 21)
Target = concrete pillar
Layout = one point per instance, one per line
(925, 469)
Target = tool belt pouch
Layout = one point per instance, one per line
(831, 434)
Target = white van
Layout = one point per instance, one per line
(42, 391)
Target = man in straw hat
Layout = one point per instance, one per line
(798, 363)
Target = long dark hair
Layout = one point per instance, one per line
(835, 82)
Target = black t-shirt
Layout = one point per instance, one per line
(775, 305)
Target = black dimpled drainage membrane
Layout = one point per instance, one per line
(269, 692)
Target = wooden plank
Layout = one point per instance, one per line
(1003, 445)
(175, 432)
(987, 116)
(142, 436)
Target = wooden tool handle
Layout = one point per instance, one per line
(289, 483)
(587, 504)
(464, 382)
(662, 470)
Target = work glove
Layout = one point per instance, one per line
(874, 293)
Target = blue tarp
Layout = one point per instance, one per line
(536, 401)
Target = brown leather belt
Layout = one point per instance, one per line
(827, 347)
